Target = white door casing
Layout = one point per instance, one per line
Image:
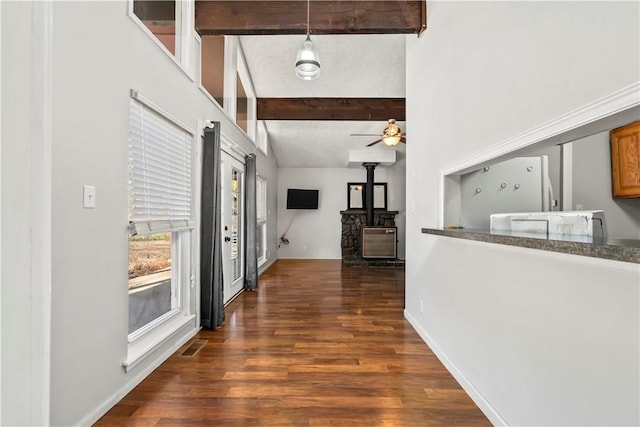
(232, 221)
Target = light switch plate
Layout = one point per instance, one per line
(89, 197)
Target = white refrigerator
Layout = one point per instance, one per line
(521, 184)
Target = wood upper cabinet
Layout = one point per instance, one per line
(625, 160)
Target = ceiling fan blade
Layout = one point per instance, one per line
(364, 134)
(374, 142)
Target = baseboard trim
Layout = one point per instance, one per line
(484, 405)
(137, 379)
(264, 267)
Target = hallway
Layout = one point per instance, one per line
(316, 345)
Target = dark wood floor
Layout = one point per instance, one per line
(316, 345)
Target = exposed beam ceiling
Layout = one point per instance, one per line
(364, 109)
(262, 17)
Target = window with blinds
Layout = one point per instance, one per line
(160, 217)
(261, 200)
(262, 137)
(261, 216)
(160, 158)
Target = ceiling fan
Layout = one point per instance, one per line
(392, 135)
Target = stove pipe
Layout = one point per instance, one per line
(368, 193)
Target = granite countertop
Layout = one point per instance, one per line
(626, 250)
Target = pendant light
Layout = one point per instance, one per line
(307, 61)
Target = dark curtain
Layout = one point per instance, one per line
(211, 284)
(251, 224)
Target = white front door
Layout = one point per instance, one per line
(232, 225)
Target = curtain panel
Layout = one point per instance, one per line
(211, 279)
(251, 226)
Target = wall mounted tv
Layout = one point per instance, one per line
(302, 199)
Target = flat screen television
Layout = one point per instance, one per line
(302, 199)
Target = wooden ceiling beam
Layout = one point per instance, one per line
(262, 17)
(356, 109)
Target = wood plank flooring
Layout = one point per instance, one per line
(316, 345)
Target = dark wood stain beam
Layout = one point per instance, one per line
(356, 109)
(260, 17)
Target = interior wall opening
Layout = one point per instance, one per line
(578, 175)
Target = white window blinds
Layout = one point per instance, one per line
(159, 172)
(262, 137)
(261, 200)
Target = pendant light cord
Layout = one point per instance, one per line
(308, 2)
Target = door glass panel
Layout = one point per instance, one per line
(236, 226)
(233, 225)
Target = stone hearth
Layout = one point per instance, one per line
(352, 222)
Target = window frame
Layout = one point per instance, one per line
(185, 27)
(262, 138)
(147, 338)
(242, 71)
(180, 266)
(262, 222)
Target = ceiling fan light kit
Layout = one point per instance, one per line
(391, 140)
(308, 61)
(391, 136)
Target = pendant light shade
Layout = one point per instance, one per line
(308, 61)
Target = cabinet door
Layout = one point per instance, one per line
(625, 161)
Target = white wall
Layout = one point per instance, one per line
(592, 187)
(396, 199)
(547, 340)
(316, 233)
(26, 212)
(95, 64)
(527, 332)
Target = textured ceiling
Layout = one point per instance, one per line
(352, 66)
(318, 144)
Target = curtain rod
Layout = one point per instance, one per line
(233, 145)
(226, 141)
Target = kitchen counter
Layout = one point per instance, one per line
(626, 250)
